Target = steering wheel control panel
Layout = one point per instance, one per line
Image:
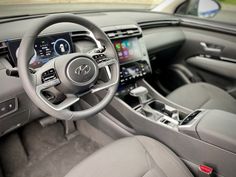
(45, 48)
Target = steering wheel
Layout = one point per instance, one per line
(71, 75)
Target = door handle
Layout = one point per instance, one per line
(210, 49)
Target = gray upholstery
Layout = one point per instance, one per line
(132, 157)
(203, 95)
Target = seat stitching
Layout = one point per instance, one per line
(205, 102)
(147, 172)
(209, 96)
(150, 157)
(146, 157)
(171, 157)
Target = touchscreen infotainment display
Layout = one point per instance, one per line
(128, 49)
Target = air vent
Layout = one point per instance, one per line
(123, 32)
(160, 23)
(3, 48)
(4, 52)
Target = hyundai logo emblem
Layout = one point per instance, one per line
(82, 70)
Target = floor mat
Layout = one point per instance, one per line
(48, 153)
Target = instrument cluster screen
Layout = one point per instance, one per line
(45, 48)
(128, 49)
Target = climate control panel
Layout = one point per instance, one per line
(133, 71)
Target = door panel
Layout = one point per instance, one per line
(221, 68)
(210, 56)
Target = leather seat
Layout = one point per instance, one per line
(136, 156)
(203, 95)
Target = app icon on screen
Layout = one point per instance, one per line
(131, 52)
(126, 53)
(123, 45)
(118, 46)
(127, 44)
(120, 54)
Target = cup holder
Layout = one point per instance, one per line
(158, 106)
(162, 108)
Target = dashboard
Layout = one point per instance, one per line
(127, 40)
(51, 46)
(45, 48)
(130, 50)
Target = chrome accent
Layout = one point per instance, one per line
(109, 83)
(208, 49)
(103, 86)
(228, 59)
(83, 70)
(107, 63)
(77, 83)
(89, 35)
(195, 120)
(98, 43)
(108, 71)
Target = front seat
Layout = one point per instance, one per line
(136, 156)
(203, 95)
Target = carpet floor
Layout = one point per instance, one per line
(43, 152)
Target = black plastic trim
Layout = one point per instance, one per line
(191, 22)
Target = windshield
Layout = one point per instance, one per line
(216, 10)
(30, 7)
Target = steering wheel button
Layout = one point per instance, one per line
(51, 71)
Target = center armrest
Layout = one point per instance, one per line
(218, 128)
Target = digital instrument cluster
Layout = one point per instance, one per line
(45, 48)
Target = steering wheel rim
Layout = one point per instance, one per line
(30, 80)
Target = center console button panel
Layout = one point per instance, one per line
(8, 107)
(133, 71)
(190, 118)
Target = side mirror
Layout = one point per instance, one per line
(208, 8)
(199, 8)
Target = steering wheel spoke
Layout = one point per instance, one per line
(46, 73)
(106, 63)
(47, 85)
(67, 102)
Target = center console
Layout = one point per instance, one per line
(197, 137)
(202, 137)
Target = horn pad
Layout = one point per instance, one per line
(82, 71)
